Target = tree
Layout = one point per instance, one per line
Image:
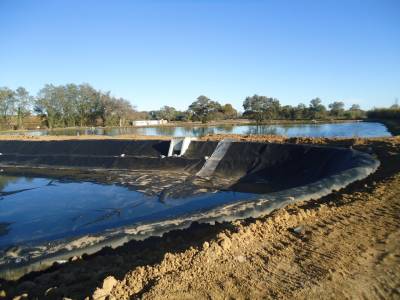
(47, 105)
(202, 108)
(60, 95)
(7, 102)
(183, 116)
(167, 113)
(261, 107)
(355, 112)
(138, 115)
(85, 101)
(23, 103)
(228, 111)
(287, 112)
(300, 112)
(68, 98)
(81, 105)
(336, 109)
(101, 107)
(119, 111)
(316, 109)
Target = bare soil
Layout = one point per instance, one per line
(345, 245)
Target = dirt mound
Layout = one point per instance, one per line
(292, 254)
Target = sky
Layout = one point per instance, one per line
(157, 53)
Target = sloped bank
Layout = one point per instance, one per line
(271, 175)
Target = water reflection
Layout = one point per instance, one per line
(9, 180)
(262, 130)
(225, 129)
(5, 180)
(350, 129)
(165, 131)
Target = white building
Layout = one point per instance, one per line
(149, 122)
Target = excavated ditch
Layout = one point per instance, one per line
(64, 198)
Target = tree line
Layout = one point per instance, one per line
(65, 106)
(260, 109)
(73, 105)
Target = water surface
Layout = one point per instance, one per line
(43, 209)
(349, 129)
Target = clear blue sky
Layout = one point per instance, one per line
(156, 53)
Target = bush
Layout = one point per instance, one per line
(384, 113)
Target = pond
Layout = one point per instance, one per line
(44, 209)
(61, 199)
(348, 129)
